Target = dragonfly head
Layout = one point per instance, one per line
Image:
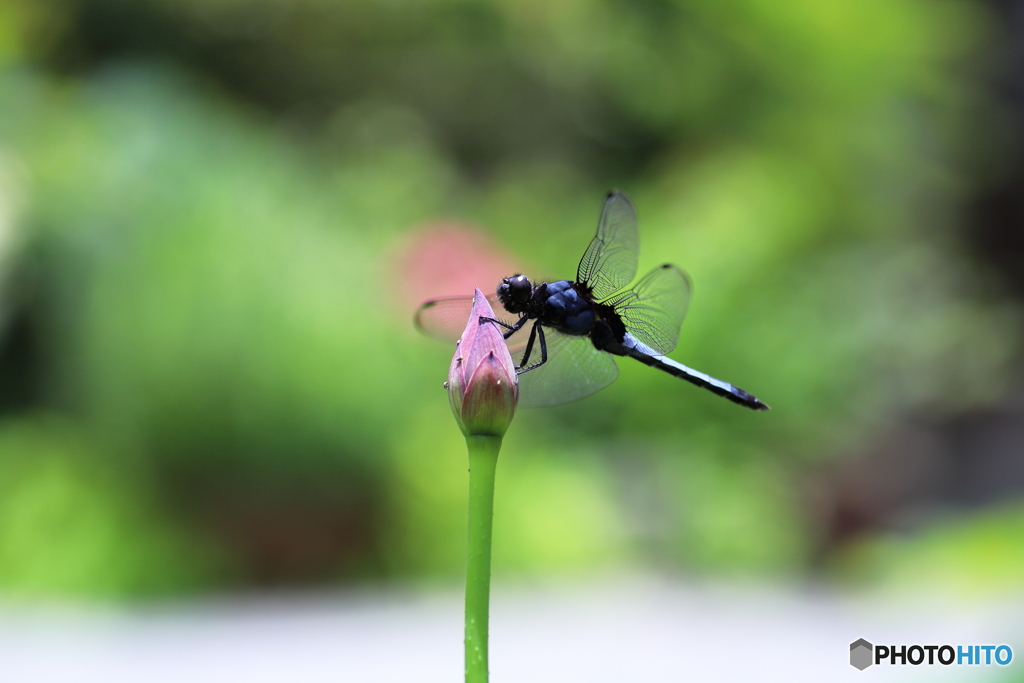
(515, 293)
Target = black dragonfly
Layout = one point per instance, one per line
(572, 330)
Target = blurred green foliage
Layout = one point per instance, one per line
(70, 524)
(961, 559)
(200, 204)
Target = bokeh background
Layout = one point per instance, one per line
(218, 216)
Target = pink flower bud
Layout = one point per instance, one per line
(482, 384)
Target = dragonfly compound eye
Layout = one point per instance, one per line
(519, 288)
(515, 293)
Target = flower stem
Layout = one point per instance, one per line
(483, 460)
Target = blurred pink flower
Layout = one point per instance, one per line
(482, 384)
(444, 259)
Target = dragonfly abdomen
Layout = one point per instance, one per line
(716, 386)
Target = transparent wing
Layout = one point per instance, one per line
(575, 369)
(446, 319)
(610, 262)
(653, 310)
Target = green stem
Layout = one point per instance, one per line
(483, 460)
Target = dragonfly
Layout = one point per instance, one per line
(564, 335)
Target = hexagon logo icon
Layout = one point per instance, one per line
(860, 654)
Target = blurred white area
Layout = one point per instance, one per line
(635, 630)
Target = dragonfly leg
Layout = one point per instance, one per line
(511, 329)
(529, 348)
(543, 350)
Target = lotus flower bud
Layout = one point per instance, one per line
(483, 387)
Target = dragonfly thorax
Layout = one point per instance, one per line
(566, 309)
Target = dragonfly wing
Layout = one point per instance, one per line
(574, 369)
(610, 262)
(654, 309)
(446, 319)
